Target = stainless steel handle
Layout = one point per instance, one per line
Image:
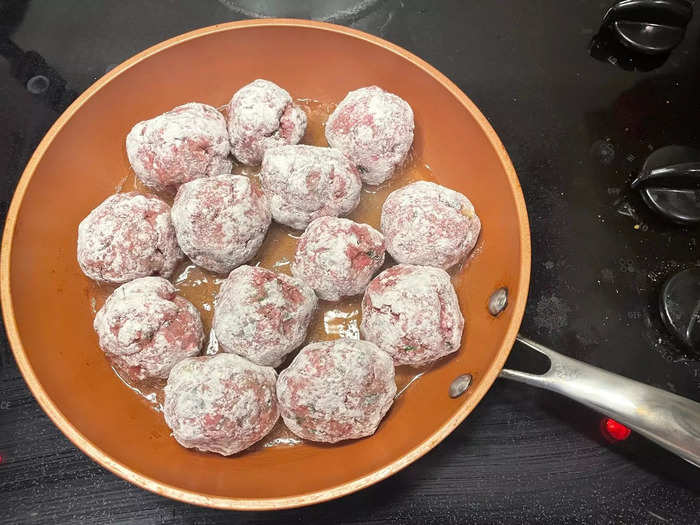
(670, 420)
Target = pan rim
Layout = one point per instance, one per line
(188, 496)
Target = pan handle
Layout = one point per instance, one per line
(667, 419)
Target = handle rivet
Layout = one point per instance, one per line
(498, 301)
(460, 385)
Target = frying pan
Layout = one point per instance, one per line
(82, 159)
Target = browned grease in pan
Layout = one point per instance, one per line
(332, 319)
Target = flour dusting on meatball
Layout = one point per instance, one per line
(262, 315)
(374, 129)
(220, 221)
(129, 235)
(145, 328)
(221, 403)
(336, 390)
(262, 115)
(303, 183)
(412, 312)
(427, 224)
(186, 143)
(338, 257)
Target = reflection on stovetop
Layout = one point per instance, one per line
(578, 132)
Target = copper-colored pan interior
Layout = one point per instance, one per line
(81, 161)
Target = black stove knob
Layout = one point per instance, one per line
(670, 183)
(640, 34)
(648, 38)
(650, 26)
(680, 307)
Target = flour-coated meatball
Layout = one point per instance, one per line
(303, 183)
(186, 143)
(336, 390)
(338, 257)
(220, 221)
(427, 224)
(129, 235)
(262, 115)
(145, 328)
(221, 403)
(374, 129)
(412, 312)
(262, 315)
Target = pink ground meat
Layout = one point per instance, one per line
(338, 257)
(374, 129)
(262, 315)
(184, 144)
(303, 183)
(262, 115)
(336, 390)
(221, 403)
(427, 224)
(412, 312)
(129, 235)
(220, 221)
(145, 328)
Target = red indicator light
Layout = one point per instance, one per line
(614, 430)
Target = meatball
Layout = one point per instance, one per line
(428, 224)
(338, 257)
(262, 115)
(221, 403)
(262, 315)
(220, 221)
(145, 328)
(184, 144)
(336, 390)
(306, 182)
(374, 129)
(412, 312)
(128, 236)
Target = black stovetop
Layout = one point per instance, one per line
(577, 130)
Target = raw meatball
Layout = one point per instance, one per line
(375, 129)
(221, 403)
(336, 390)
(428, 224)
(412, 312)
(184, 144)
(145, 328)
(262, 315)
(338, 257)
(306, 182)
(220, 221)
(262, 115)
(128, 236)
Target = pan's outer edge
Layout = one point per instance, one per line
(517, 302)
